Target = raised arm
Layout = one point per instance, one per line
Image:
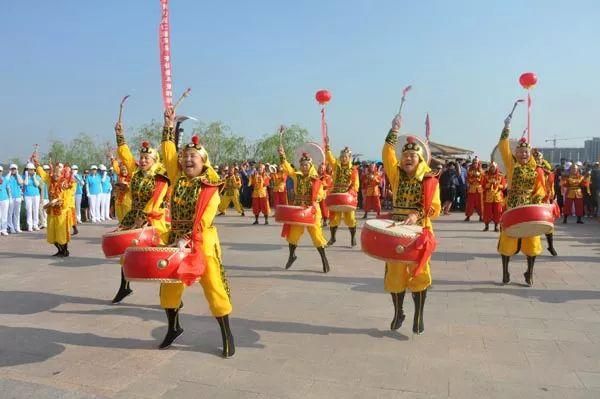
(388, 154)
(286, 166)
(123, 150)
(168, 149)
(505, 151)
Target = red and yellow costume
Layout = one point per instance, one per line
(475, 189)
(549, 179)
(327, 184)
(420, 195)
(372, 191)
(573, 185)
(123, 191)
(259, 182)
(194, 204)
(526, 185)
(493, 184)
(231, 193)
(345, 180)
(279, 180)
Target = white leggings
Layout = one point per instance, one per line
(4, 215)
(14, 215)
(94, 202)
(32, 206)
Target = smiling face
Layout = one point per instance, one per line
(345, 159)
(58, 170)
(492, 168)
(192, 163)
(146, 162)
(523, 154)
(409, 162)
(305, 167)
(261, 168)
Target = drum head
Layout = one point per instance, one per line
(388, 227)
(272, 169)
(314, 150)
(402, 140)
(497, 157)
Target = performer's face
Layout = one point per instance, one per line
(31, 172)
(409, 162)
(146, 162)
(574, 170)
(345, 159)
(261, 168)
(57, 172)
(192, 163)
(305, 167)
(124, 171)
(492, 169)
(523, 154)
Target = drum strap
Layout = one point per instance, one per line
(192, 266)
(316, 186)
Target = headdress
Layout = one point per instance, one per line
(146, 149)
(522, 143)
(195, 145)
(412, 145)
(306, 158)
(346, 151)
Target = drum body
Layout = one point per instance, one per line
(528, 220)
(153, 264)
(383, 239)
(115, 243)
(341, 202)
(296, 215)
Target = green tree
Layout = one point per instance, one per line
(223, 147)
(266, 148)
(150, 132)
(83, 151)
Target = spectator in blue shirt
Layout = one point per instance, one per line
(15, 193)
(4, 203)
(31, 186)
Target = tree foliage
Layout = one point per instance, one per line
(223, 147)
(265, 149)
(83, 151)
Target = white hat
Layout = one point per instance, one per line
(94, 167)
(102, 167)
(29, 166)
(1, 168)
(13, 166)
(579, 163)
(46, 167)
(75, 167)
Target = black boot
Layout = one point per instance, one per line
(174, 329)
(505, 274)
(255, 219)
(487, 227)
(529, 273)
(324, 222)
(550, 240)
(398, 300)
(58, 250)
(496, 229)
(352, 236)
(292, 258)
(565, 219)
(65, 249)
(419, 298)
(124, 289)
(468, 219)
(324, 260)
(332, 239)
(243, 213)
(75, 230)
(579, 220)
(365, 215)
(227, 336)
(266, 219)
(61, 250)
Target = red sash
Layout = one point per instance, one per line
(426, 241)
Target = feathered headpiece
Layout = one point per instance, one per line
(346, 151)
(146, 149)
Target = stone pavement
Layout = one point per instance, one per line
(302, 334)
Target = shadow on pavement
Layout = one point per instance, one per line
(547, 296)
(71, 261)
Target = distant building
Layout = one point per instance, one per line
(589, 152)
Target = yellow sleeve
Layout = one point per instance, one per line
(43, 175)
(330, 158)
(126, 157)
(390, 162)
(356, 183)
(169, 154)
(211, 211)
(289, 170)
(116, 167)
(436, 204)
(506, 153)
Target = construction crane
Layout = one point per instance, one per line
(555, 139)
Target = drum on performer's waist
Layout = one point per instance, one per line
(528, 220)
(115, 243)
(153, 264)
(341, 202)
(385, 240)
(296, 215)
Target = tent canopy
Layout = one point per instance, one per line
(443, 150)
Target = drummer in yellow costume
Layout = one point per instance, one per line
(549, 188)
(525, 187)
(414, 188)
(308, 192)
(122, 190)
(231, 192)
(149, 186)
(195, 188)
(345, 180)
(61, 193)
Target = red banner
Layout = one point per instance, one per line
(164, 43)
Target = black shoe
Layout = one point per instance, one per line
(352, 236)
(292, 257)
(419, 299)
(505, 274)
(565, 220)
(324, 260)
(579, 221)
(398, 300)
(324, 223)
(220, 213)
(332, 239)
(58, 252)
(242, 214)
(75, 230)
(226, 336)
(365, 215)
(174, 329)
(468, 219)
(496, 229)
(124, 290)
(487, 227)
(550, 240)
(529, 273)
(255, 222)
(266, 220)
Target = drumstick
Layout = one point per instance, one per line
(520, 100)
(121, 108)
(281, 131)
(184, 95)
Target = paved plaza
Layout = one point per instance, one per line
(300, 333)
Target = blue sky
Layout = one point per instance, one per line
(257, 64)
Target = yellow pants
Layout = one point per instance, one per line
(349, 218)
(227, 199)
(398, 277)
(215, 286)
(316, 233)
(508, 246)
(59, 227)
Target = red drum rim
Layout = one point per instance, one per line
(369, 225)
(516, 229)
(388, 260)
(157, 280)
(123, 232)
